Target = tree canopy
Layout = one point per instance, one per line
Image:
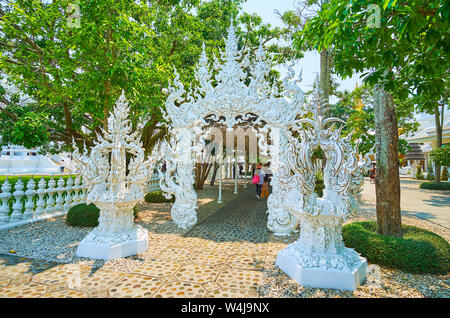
(72, 75)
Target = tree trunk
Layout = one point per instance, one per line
(213, 178)
(437, 176)
(325, 76)
(387, 180)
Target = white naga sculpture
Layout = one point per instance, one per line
(226, 99)
(319, 258)
(115, 187)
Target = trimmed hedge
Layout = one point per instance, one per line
(419, 251)
(87, 215)
(157, 197)
(83, 215)
(435, 186)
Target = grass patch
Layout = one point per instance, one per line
(157, 197)
(435, 186)
(419, 251)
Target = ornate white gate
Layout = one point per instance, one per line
(319, 258)
(231, 102)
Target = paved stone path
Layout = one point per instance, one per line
(430, 205)
(221, 257)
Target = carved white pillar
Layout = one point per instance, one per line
(29, 205)
(284, 201)
(17, 206)
(4, 196)
(40, 204)
(219, 199)
(179, 178)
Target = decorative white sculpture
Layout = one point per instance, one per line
(319, 258)
(227, 100)
(115, 188)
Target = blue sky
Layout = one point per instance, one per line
(311, 62)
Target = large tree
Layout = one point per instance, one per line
(406, 54)
(73, 74)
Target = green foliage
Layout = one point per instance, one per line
(435, 186)
(83, 215)
(136, 211)
(407, 55)
(318, 189)
(157, 197)
(419, 173)
(444, 175)
(441, 156)
(357, 109)
(69, 77)
(430, 174)
(419, 251)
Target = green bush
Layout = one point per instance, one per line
(435, 186)
(157, 197)
(135, 211)
(419, 251)
(318, 189)
(430, 174)
(419, 173)
(444, 175)
(83, 215)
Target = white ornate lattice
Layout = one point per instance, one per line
(113, 186)
(225, 99)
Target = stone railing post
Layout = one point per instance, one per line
(59, 199)
(17, 206)
(76, 194)
(29, 205)
(68, 198)
(40, 204)
(83, 192)
(4, 196)
(50, 207)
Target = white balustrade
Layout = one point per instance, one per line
(4, 196)
(153, 184)
(29, 205)
(17, 206)
(38, 202)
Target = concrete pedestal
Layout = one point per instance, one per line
(102, 249)
(322, 278)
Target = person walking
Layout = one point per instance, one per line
(258, 180)
(240, 170)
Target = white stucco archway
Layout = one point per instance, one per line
(319, 258)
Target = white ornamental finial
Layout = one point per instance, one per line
(115, 187)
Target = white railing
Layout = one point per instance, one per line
(153, 184)
(38, 201)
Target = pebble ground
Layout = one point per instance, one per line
(230, 253)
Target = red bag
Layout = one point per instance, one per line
(255, 179)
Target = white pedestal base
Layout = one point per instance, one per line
(320, 277)
(109, 250)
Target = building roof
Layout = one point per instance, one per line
(415, 152)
